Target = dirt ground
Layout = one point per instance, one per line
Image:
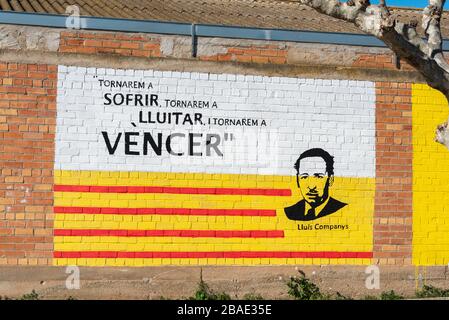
(181, 282)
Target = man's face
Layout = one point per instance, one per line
(313, 180)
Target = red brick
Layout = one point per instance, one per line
(93, 43)
(394, 158)
(130, 45)
(111, 44)
(24, 108)
(259, 59)
(151, 46)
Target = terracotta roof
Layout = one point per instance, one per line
(276, 14)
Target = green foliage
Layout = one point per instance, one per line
(432, 292)
(301, 288)
(390, 295)
(30, 296)
(203, 292)
(252, 296)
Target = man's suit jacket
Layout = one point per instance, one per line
(297, 211)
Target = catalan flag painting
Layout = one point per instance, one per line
(177, 168)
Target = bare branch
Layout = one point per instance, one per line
(432, 25)
(403, 39)
(379, 22)
(334, 8)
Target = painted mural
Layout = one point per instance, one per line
(180, 168)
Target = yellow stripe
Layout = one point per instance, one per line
(152, 222)
(111, 178)
(195, 201)
(172, 244)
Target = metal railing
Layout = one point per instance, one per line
(194, 30)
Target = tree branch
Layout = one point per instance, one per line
(431, 24)
(371, 19)
(403, 39)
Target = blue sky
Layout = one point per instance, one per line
(409, 3)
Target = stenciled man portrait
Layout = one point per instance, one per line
(314, 177)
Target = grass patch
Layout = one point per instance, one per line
(432, 292)
(252, 296)
(301, 288)
(30, 296)
(203, 292)
(390, 295)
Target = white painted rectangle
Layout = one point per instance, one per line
(300, 114)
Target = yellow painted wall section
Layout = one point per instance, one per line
(356, 217)
(430, 180)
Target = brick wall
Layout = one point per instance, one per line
(27, 135)
(27, 126)
(380, 61)
(246, 51)
(109, 43)
(394, 174)
(263, 54)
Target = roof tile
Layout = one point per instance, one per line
(248, 13)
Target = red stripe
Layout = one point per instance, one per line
(226, 254)
(173, 190)
(167, 211)
(172, 233)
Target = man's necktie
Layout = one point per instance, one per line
(311, 213)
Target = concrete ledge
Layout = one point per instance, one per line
(181, 282)
(192, 65)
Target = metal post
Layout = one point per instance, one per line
(194, 41)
